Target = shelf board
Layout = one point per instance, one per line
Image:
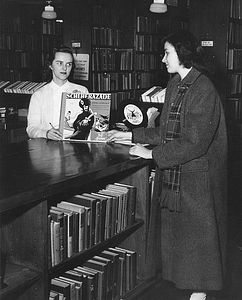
(16, 278)
(94, 250)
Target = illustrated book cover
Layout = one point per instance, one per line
(85, 117)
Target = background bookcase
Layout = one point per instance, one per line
(25, 42)
(224, 30)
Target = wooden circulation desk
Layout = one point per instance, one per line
(37, 174)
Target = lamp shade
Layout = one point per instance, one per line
(49, 12)
(158, 7)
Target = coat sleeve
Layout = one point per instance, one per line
(199, 121)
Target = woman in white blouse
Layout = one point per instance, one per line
(44, 107)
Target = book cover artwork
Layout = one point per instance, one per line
(85, 117)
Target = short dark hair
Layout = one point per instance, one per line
(188, 50)
(47, 74)
(62, 49)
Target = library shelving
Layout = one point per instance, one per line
(223, 30)
(25, 41)
(35, 175)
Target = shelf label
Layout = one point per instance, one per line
(207, 43)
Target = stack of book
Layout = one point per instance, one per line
(88, 219)
(156, 94)
(23, 87)
(108, 275)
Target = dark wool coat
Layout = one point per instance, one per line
(193, 241)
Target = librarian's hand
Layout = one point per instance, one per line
(141, 151)
(116, 135)
(54, 134)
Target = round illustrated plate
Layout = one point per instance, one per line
(133, 114)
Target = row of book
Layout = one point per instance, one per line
(146, 43)
(88, 219)
(49, 42)
(18, 74)
(143, 80)
(23, 87)
(105, 16)
(106, 59)
(234, 59)
(112, 81)
(17, 25)
(52, 27)
(148, 25)
(147, 61)
(106, 276)
(234, 108)
(236, 9)
(19, 59)
(118, 97)
(155, 94)
(21, 42)
(106, 37)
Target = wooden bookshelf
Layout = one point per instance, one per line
(226, 53)
(24, 211)
(25, 42)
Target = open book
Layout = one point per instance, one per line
(85, 117)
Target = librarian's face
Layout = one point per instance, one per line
(170, 59)
(61, 67)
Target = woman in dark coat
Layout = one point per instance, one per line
(190, 154)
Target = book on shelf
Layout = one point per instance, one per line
(234, 108)
(99, 216)
(113, 210)
(109, 274)
(69, 228)
(108, 216)
(114, 260)
(85, 117)
(132, 194)
(58, 216)
(131, 268)
(99, 281)
(122, 270)
(91, 203)
(71, 285)
(103, 215)
(60, 287)
(54, 295)
(80, 227)
(23, 87)
(79, 279)
(155, 94)
(91, 282)
(122, 195)
(101, 268)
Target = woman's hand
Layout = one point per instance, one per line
(141, 151)
(116, 135)
(54, 134)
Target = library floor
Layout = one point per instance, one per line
(233, 283)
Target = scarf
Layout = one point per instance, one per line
(170, 196)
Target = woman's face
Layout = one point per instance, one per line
(170, 59)
(61, 67)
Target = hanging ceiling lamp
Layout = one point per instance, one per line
(49, 12)
(158, 7)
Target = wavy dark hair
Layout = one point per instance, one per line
(49, 59)
(189, 52)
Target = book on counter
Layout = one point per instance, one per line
(85, 117)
